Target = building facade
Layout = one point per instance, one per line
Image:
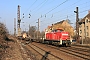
(84, 27)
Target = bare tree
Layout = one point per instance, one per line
(42, 34)
(32, 31)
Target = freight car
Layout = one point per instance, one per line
(25, 36)
(57, 37)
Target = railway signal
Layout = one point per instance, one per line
(29, 15)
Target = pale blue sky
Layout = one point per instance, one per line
(55, 11)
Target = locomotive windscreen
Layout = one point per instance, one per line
(57, 30)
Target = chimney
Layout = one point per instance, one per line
(88, 11)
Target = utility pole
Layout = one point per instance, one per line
(77, 23)
(38, 24)
(14, 26)
(19, 20)
(38, 29)
(29, 31)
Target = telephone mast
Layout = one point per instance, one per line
(14, 26)
(19, 20)
(77, 23)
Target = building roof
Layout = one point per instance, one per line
(88, 16)
(59, 22)
(49, 26)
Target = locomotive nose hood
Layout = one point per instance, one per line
(65, 36)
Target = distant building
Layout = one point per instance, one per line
(84, 27)
(64, 25)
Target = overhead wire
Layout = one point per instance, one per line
(31, 5)
(41, 15)
(70, 6)
(68, 15)
(37, 6)
(29, 8)
(44, 5)
(76, 2)
(55, 7)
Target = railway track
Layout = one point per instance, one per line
(29, 53)
(80, 49)
(85, 46)
(46, 55)
(74, 51)
(77, 53)
(82, 53)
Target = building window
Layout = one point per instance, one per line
(87, 20)
(80, 31)
(84, 31)
(87, 34)
(80, 26)
(86, 27)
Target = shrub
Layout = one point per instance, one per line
(3, 33)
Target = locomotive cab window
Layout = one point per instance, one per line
(61, 30)
(57, 30)
(52, 31)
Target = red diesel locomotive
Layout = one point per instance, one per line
(58, 37)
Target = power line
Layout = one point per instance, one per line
(84, 11)
(52, 10)
(68, 16)
(45, 3)
(38, 5)
(29, 8)
(31, 5)
(54, 7)
(72, 4)
(42, 5)
(57, 6)
(68, 6)
(76, 2)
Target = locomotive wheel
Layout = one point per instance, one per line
(50, 42)
(42, 41)
(68, 45)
